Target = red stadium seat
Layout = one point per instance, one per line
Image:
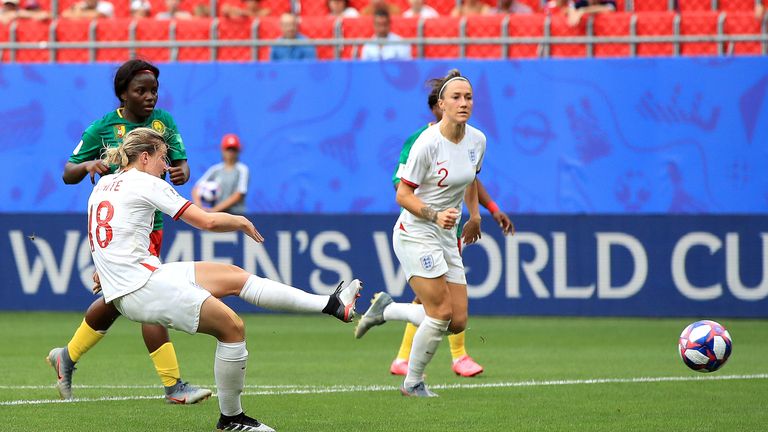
(699, 23)
(736, 5)
(526, 26)
(72, 31)
(651, 5)
(695, 5)
(444, 28)
(276, 7)
(237, 29)
(194, 29)
(269, 29)
(149, 29)
(558, 27)
(355, 28)
(407, 28)
(742, 23)
(484, 26)
(320, 28)
(443, 7)
(28, 30)
(4, 37)
(314, 8)
(655, 24)
(611, 24)
(113, 30)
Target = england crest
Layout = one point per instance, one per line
(473, 156)
(427, 262)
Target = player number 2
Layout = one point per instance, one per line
(444, 173)
(102, 224)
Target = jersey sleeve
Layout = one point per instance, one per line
(481, 156)
(89, 148)
(418, 164)
(165, 198)
(242, 181)
(176, 149)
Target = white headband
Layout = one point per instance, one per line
(440, 95)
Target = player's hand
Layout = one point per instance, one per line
(251, 231)
(471, 232)
(96, 288)
(446, 219)
(177, 175)
(96, 167)
(506, 225)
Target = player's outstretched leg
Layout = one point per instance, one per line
(374, 315)
(61, 362)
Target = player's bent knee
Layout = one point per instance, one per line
(457, 326)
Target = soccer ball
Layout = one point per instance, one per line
(209, 192)
(705, 346)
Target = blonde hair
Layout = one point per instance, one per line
(136, 142)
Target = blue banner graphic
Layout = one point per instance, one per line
(698, 266)
(624, 136)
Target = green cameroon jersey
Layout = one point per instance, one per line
(109, 131)
(404, 158)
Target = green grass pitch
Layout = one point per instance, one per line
(310, 374)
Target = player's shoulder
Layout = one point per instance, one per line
(161, 114)
(106, 121)
(429, 137)
(475, 133)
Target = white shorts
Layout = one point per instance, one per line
(429, 257)
(170, 298)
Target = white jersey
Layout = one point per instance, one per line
(440, 171)
(120, 217)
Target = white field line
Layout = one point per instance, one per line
(311, 389)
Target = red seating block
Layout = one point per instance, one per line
(742, 23)
(655, 24)
(525, 26)
(484, 27)
(611, 24)
(699, 23)
(4, 37)
(694, 5)
(237, 29)
(149, 29)
(314, 8)
(736, 5)
(113, 30)
(72, 31)
(407, 28)
(443, 7)
(651, 5)
(441, 27)
(194, 29)
(269, 28)
(558, 27)
(320, 28)
(28, 30)
(355, 28)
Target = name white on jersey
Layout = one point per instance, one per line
(120, 217)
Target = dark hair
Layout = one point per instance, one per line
(128, 70)
(381, 12)
(437, 85)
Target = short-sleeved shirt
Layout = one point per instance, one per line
(110, 130)
(405, 152)
(229, 181)
(377, 51)
(120, 213)
(440, 171)
(293, 52)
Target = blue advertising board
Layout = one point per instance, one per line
(554, 265)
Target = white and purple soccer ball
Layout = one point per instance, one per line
(705, 346)
(209, 192)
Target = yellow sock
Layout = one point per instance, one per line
(84, 339)
(456, 342)
(405, 345)
(166, 365)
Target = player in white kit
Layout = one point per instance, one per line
(184, 295)
(440, 172)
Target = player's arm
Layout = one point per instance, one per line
(407, 199)
(178, 172)
(219, 222)
(85, 160)
(501, 218)
(471, 231)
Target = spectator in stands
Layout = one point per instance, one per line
(342, 9)
(381, 32)
(375, 5)
(759, 9)
(229, 178)
(140, 9)
(90, 9)
(10, 10)
(512, 7)
(245, 9)
(201, 11)
(471, 7)
(587, 7)
(420, 10)
(289, 24)
(173, 11)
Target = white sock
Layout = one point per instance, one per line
(411, 312)
(273, 295)
(229, 372)
(425, 343)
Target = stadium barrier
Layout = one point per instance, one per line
(698, 266)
